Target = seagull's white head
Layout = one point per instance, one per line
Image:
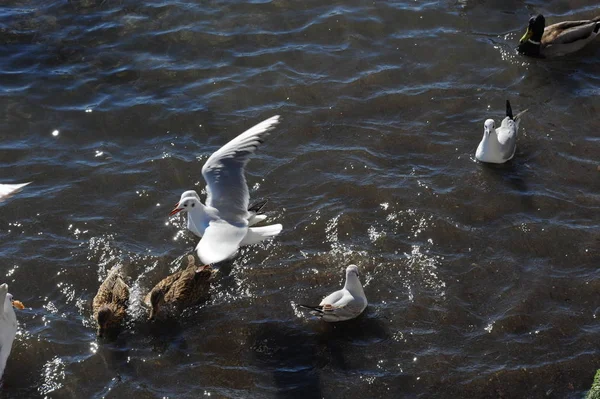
(352, 271)
(489, 126)
(9, 302)
(189, 193)
(186, 204)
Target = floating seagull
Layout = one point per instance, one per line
(345, 304)
(499, 145)
(224, 221)
(559, 39)
(7, 190)
(180, 290)
(8, 324)
(195, 216)
(110, 303)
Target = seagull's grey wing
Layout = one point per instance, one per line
(507, 137)
(6, 190)
(345, 308)
(224, 172)
(220, 241)
(333, 298)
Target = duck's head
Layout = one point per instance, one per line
(488, 127)
(186, 204)
(531, 40)
(157, 298)
(106, 319)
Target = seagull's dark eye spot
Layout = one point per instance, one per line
(184, 204)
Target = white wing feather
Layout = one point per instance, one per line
(507, 137)
(6, 190)
(220, 241)
(224, 172)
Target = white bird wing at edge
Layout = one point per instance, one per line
(224, 172)
(6, 190)
(220, 241)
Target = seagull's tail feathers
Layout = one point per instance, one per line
(257, 207)
(509, 110)
(255, 219)
(318, 309)
(256, 214)
(520, 114)
(258, 234)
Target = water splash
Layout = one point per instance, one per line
(53, 376)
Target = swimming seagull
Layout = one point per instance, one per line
(499, 145)
(345, 304)
(7, 190)
(8, 324)
(195, 215)
(223, 222)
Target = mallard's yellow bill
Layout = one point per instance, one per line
(19, 305)
(526, 36)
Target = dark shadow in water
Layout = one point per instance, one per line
(115, 355)
(511, 174)
(295, 354)
(335, 337)
(162, 334)
(291, 355)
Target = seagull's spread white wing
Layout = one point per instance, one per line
(220, 241)
(6, 190)
(224, 172)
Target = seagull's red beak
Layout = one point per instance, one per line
(176, 210)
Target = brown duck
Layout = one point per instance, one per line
(180, 290)
(110, 303)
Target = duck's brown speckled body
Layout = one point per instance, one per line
(110, 303)
(180, 290)
(558, 39)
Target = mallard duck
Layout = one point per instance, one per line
(8, 324)
(559, 39)
(110, 303)
(344, 304)
(499, 145)
(180, 290)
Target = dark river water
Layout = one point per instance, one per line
(483, 281)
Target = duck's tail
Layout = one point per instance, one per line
(258, 234)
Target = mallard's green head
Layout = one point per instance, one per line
(535, 29)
